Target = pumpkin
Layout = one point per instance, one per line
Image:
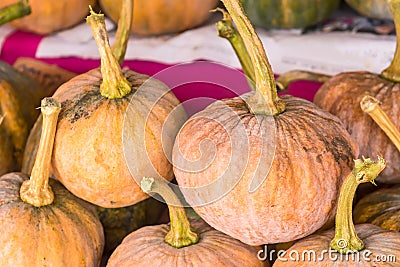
(276, 14)
(98, 125)
(347, 245)
(180, 242)
(376, 9)
(51, 16)
(293, 158)
(41, 223)
(162, 16)
(341, 94)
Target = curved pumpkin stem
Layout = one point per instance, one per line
(346, 239)
(180, 234)
(265, 101)
(226, 30)
(123, 30)
(37, 191)
(392, 72)
(114, 84)
(15, 11)
(371, 106)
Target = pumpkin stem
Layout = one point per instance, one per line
(371, 106)
(37, 191)
(226, 30)
(15, 11)
(123, 31)
(180, 234)
(114, 84)
(265, 101)
(392, 72)
(285, 79)
(346, 239)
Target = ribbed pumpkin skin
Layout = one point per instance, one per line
(381, 208)
(381, 243)
(288, 14)
(88, 156)
(64, 233)
(341, 96)
(162, 16)
(49, 16)
(376, 9)
(313, 155)
(146, 247)
(20, 96)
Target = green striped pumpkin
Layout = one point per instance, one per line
(288, 14)
(377, 9)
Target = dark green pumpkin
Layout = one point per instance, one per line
(381, 208)
(289, 14)
(376, 9)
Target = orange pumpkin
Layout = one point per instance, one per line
(181, 242)
(347, 245)
(293, 158)
(41, 223)
(51, 16)
(89, 148)
(162, 16)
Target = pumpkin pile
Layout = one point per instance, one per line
(256, 169)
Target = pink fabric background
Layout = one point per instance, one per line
(202, 81)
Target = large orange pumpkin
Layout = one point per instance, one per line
(297, 154)
(49, 16)
(348, 244)
(181, 242)
(89, 146)
(41, 223)
(162, 16)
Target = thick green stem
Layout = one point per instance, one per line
(226, 30)
(180, 234)
(285, 79)
(265, 101)
(371, 106)
(392, 72)
(37, 191)
(123, 30)
(15, 11)
(114, 84)
(346, 239)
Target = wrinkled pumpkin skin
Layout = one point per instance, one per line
(146, 247)
(381, 208)
(162, 16)
(20, 97)
(65, 233)
(341, 96)
(88, 156)
(314, 153)
(376, 9)
(378, 242)
(277, 14)
(49, 16)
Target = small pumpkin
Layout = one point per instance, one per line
(381, 207)
(41, 223)
(376, 9)
(341, 94)
(98, 125)
(181, 242)
(162, 16)
(276, 14)
(347, 245)
(51, 16)
(294, 157)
